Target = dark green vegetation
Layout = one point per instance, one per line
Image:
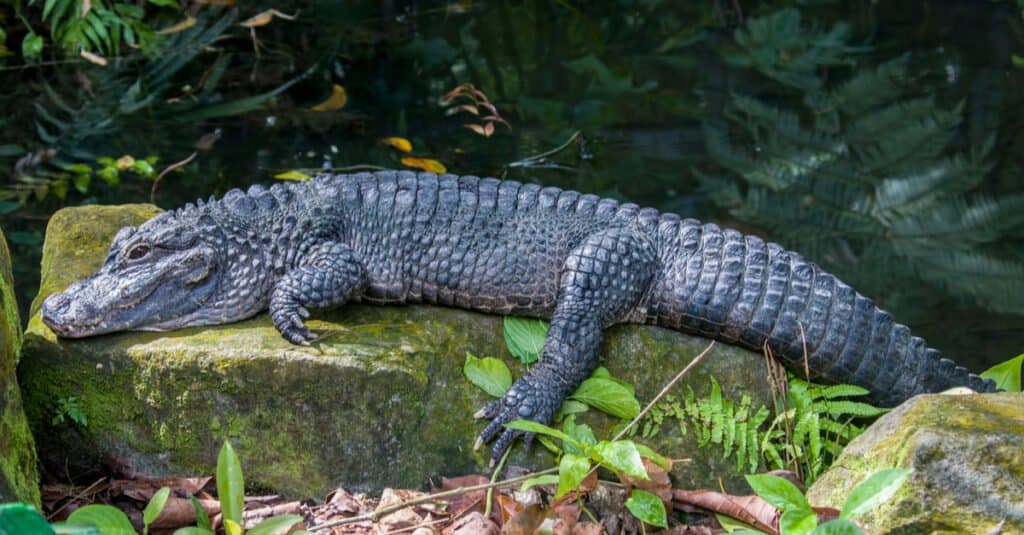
(655, 89)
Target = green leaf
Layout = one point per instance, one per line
(233, 528)
(648, 453)
(571, 471)
(581, 434)
(275, 525)
(230, 484)
(164, 3)
(525, 337)
(107, 519)
(154, 507)
(647, 507)
(192, 530)
(490, 374)
(202, 519)
(797, 522)
(11, 150)
(22, 518)
(873, 491)
(778, 492)
(608, 396)
(297, 176)
(838, 527)
(546, 479)
(622, 456)
(1007, 374)
(534, 427)
(568, 408)
(31, 47)
(731, 525)
(144, 168)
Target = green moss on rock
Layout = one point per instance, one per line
(19, 480)
(379, 400)
(967, 459)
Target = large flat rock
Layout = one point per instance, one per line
(379, 401)
(19, 480)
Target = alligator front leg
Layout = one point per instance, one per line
(602, 280)
(326, 278)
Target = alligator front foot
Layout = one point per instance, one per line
(530, 398)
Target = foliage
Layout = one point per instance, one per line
(809, 430)
(868, 173)
(580, 455)
(799, 518)
(98, 25)
(70, 408)
(1007, 375)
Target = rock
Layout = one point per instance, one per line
(380, 401)
(968, 465)
(19, 480)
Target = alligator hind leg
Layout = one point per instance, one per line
(326, 278)
(602, 280)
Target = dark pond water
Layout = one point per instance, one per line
(882, 139)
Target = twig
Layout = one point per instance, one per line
(168, 169)
(75, 498)
(373, 516)
(494, 476)
(539, 159)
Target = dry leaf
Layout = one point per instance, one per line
(297, 176)
(479, 129)
(264, 18)
(336, 101)
(189, 22)
(425, 164)
(93, 58)
(399, 143)
(125, 162)
(488, 129)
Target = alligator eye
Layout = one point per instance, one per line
(138, 252)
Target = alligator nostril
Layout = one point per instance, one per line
(56, 303)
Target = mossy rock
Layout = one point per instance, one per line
(967, 459)
(19, 480)
(379, 401)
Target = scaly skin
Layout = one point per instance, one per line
(500, 247)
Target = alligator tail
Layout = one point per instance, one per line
(741, 290)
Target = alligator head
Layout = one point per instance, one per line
(159, 276)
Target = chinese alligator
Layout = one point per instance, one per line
(502, 247)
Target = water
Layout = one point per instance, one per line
(639, 80)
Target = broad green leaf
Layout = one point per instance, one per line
(582, 434)
(230, 485)
(164, 3)
(622, 456)
(534, 427)
(838, 527)
(568, 408)
(797, 522)
(647, 507)
(31, 46)
(525, 337)
(490, 374)
(202, 519)
(154, 507)
(22, 518)
(275, 525)
(571, 471)
(778, 492)
(731, 525)
(874, 490)
(546, 479)
(1007, 374)
(192, 530)
(107, 519)
(232, 528)
(648, 453)
(608, 396)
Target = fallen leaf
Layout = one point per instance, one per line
(472, 524)
(399, 143)
(297, 176)
(93, 58)
(479, 129)
(189, 22)
(425, 164)
(336, 101)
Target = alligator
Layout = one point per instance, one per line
(502, 247)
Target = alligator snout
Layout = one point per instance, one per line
(62, 315)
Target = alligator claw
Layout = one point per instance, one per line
(528, 399)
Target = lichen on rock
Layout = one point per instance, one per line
(968, 465)
(19, 480)
(380, 400)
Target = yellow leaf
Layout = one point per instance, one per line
(476, 128)
(336, 101)
(189, 22)
(297, 176)
(125, 162)
(232, 528)
(93, 58)
(264, 18)
(425, 164)
(399, 143)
